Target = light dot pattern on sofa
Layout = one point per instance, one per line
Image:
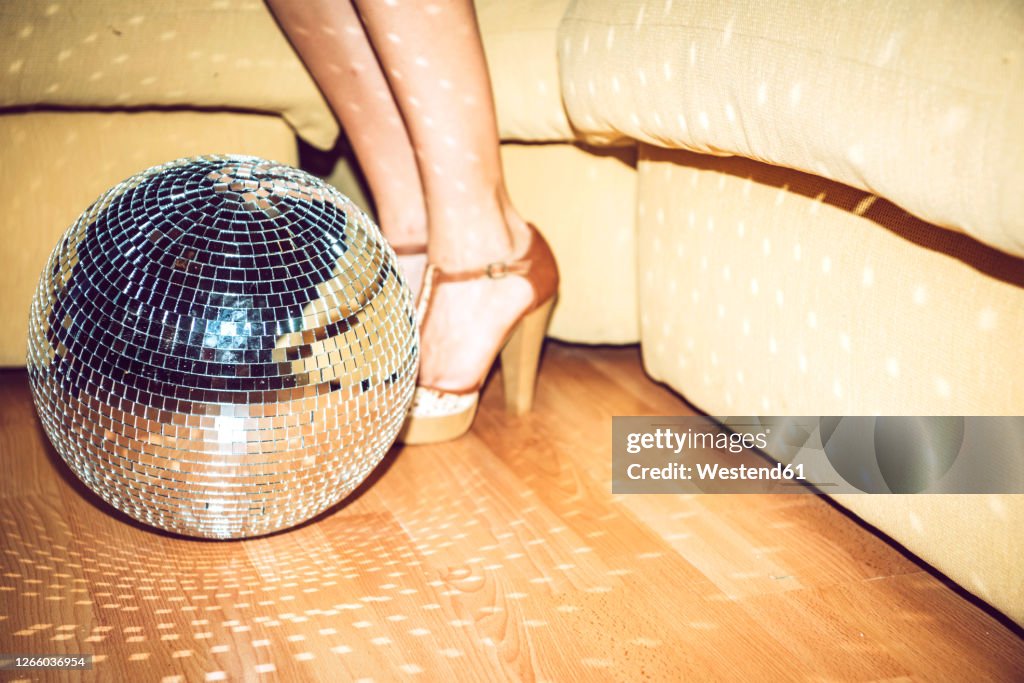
(827, 302)
(904, 100)
(205, 54)
(97, 150)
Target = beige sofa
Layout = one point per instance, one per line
(814, 209)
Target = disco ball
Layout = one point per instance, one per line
(222, 346)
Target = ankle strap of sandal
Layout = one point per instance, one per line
(493, 271)
(537, 265)
(435, 276)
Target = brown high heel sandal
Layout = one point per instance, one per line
(442, 415)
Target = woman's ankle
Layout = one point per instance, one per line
(506, 238)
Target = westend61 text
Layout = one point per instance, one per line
(712, 472)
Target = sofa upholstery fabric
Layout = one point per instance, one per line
(766, 291)
(520, 42)
(920, 102)
(55, 164)
(196, 54)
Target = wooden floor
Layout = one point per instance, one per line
(502, 556)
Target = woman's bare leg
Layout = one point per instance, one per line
(329, 37)
(434, 62)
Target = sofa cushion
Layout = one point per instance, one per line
(767, 291)
(589, 223)
(920, 102)
(199, 54)
(520, 39)
(53, 165)
(231, 54)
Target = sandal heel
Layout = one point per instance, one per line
(520, 357)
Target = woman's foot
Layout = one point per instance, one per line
(467, 318)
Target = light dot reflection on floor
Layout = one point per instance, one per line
(410, 580)
(501, 556)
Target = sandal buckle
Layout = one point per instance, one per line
(496, 270)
